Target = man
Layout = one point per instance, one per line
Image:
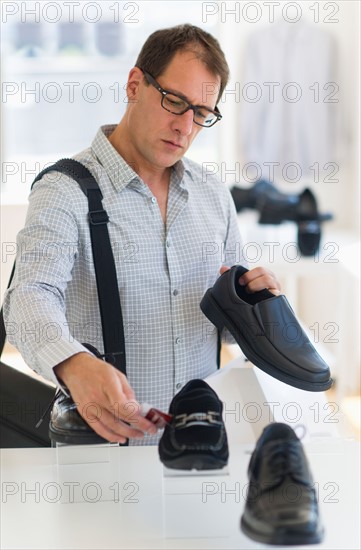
(163, 214)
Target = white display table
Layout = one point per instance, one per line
(123, 498)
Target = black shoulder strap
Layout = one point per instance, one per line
(105, 272)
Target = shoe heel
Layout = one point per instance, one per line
(210, 310)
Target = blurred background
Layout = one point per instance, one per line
(290, 117)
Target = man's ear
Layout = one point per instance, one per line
(135, 78)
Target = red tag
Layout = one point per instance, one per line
(157, 417)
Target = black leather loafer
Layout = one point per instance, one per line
(281, 505)
(267, 331)
(252, 196)
(67, 426)
(276, 207)
(196, 437)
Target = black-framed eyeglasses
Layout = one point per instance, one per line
(177, 105)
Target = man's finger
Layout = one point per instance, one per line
(275, 291)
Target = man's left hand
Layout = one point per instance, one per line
(257, 279)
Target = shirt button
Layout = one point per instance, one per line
(178, 340)
(175, 292)
(168, 243)
(178, 386)
(154, 200)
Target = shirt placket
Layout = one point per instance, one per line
(177, 200)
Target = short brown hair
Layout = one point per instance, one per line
(161, 46)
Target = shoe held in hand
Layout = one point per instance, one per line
(266, 329)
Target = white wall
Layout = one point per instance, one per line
(340, 198)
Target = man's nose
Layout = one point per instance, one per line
(183, 123)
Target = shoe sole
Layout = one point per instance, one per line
(283, 537)
(216, 315)
(195, 462)
(63, 436)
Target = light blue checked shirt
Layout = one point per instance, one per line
(163, 271)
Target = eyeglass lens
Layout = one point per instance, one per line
(178, 106)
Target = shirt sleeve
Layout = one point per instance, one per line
(34, 305)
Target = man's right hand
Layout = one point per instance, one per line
(103, 398)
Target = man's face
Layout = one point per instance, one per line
(160, 138)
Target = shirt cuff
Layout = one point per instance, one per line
(51, 354)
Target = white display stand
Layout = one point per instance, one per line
(123, 499)
(253, 399)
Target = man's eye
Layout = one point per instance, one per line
(202, 113)
(174, 101)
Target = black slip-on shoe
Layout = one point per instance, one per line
(251, 197)
(68, 427)
(196, 437)
(281, 505)
(275, 207)
(267, 331)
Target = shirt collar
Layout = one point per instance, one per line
(119, 172)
